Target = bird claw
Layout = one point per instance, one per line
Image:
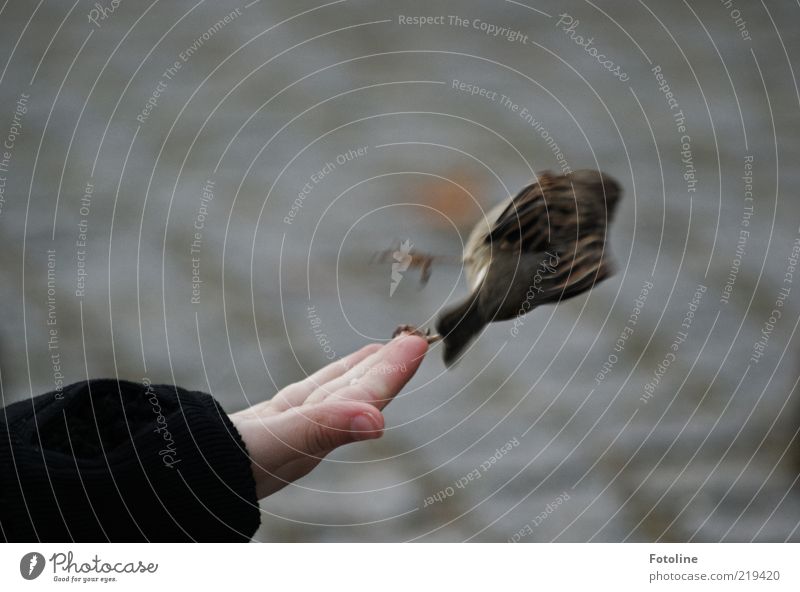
(412, 330)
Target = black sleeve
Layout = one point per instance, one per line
(109, 460)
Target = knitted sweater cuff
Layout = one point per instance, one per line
(122, 461)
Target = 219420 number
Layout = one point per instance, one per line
(752, 575)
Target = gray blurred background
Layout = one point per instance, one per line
(261, 100)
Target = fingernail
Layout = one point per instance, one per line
(364, 427)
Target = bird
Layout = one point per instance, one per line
(545, 244)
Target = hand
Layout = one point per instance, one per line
(291, 433)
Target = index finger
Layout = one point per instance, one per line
(297, 393)
(387, 373)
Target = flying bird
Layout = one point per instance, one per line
(545, 244)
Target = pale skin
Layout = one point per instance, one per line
(288, 435)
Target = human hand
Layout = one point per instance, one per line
(291, 433)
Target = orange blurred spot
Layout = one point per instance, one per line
(452, 201)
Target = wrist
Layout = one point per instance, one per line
(247, 432)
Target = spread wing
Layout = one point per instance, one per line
(543, 213)
(573, 268)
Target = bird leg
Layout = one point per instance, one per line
(412, 330)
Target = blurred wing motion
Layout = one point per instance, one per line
(525, 223)
(546, 244)
(555, 210)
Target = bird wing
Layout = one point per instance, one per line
(578, 266)
(530, 223)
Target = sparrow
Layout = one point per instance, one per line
(545, 244)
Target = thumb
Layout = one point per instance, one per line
(317, 429)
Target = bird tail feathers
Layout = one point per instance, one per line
(458, 326)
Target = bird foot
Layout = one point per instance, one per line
(412, 330)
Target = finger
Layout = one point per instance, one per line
(320, 392)
(315, 430)
(364, 367)
(297, 393)
(278, 444)
(390, 369)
